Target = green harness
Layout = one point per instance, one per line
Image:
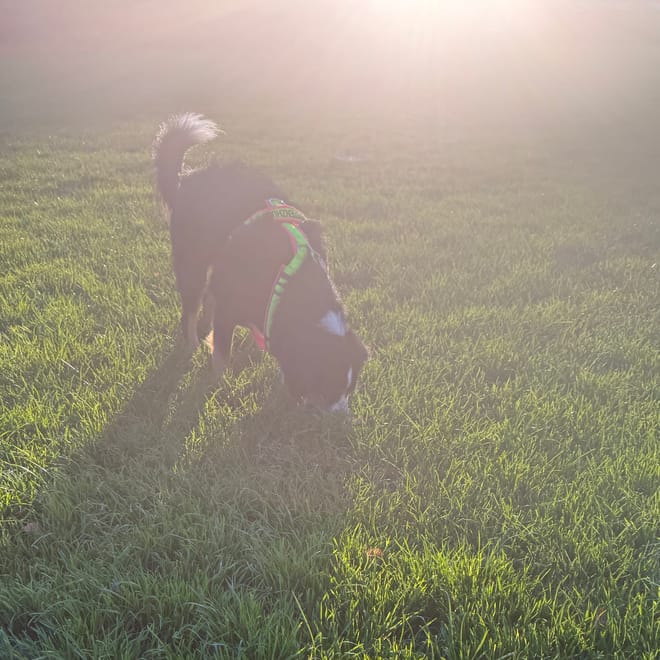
(289, 219)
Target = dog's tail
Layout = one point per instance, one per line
(174, 138)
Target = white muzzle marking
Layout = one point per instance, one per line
(340, 406)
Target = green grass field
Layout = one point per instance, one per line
(495, 493)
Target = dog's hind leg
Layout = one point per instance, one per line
(205, 322)
(191, 285)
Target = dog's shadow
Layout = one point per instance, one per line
(183, 412)
(171, 395)
(162, 411)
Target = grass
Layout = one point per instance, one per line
(496, 491)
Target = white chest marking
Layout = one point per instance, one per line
(333, 322)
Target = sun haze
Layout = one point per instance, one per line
(506, 61)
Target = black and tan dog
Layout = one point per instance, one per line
(237, 240)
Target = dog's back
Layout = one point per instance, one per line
(205, 204)
(214, 201)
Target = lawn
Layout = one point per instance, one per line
(495, 492)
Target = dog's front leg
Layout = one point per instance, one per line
(205, 321)
(222, 335)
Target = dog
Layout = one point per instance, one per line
(242, 246)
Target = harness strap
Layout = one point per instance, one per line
(289, 219)
(286, 272)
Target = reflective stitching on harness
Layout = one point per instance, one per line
(278, 210)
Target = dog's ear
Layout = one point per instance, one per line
(314, 232)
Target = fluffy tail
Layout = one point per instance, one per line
(174, 138)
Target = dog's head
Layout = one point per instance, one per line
(322, 367)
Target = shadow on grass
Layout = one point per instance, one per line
(182, 419)
(140, 427)
(198, 491)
